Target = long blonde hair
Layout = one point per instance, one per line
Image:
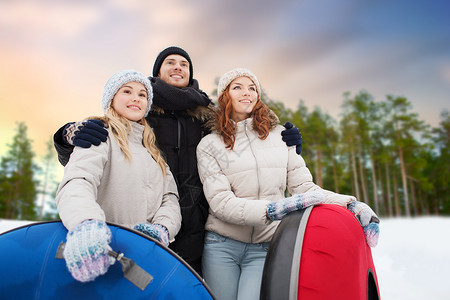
(121, 126)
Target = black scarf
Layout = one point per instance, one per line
(169, 97)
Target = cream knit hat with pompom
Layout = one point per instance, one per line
(118, 80)
(229, 76)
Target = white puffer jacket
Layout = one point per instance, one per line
(99, 183)
(239, 184)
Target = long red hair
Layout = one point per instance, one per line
(260, 115)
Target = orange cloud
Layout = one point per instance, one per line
(34, 92)
(52, 18)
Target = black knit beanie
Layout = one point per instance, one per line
(169, 51)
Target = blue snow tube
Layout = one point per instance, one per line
(29, 269)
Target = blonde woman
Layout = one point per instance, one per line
(124, 181)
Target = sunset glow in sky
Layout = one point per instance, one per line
(56, 56)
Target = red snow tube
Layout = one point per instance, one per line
(319, 253)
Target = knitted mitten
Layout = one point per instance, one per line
(86, 250)
(368, 219)
(156, 231)
(85, 133)
(363, 212)
(277, 210)
(372, 232)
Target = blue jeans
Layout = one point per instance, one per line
(232, 269)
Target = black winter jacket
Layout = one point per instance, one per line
(177, 135)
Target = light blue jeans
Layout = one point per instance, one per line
(232, 269)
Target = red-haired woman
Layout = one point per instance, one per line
(245, 168)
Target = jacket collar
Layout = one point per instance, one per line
(136, 133)
(202, 113)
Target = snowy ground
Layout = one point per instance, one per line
(412, 257)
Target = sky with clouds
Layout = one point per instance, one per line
(56, 56)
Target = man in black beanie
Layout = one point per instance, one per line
(177, 116)
(172, 51)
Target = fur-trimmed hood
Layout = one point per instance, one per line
(201, 113)
(190, 100)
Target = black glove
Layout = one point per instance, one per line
(85, 133)
(292, 137)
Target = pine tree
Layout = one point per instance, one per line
(439, 166)
(402, 126)
(17, 186)
(48, 184)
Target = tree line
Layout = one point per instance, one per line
(27, 187)
(379, 151)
